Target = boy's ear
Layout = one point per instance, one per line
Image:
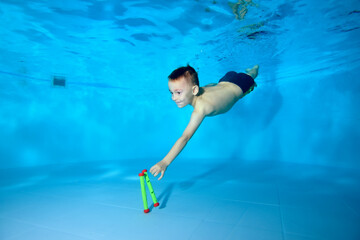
(195, 90)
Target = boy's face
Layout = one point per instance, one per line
(181, 92)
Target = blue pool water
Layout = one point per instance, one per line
(283, 163)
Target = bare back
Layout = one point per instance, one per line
(218, 98)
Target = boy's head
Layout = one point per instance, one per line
(183, 85)
(187, 72)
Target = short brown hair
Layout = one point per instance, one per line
(187, 72)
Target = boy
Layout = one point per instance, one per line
(211, 100)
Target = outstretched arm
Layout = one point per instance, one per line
(196, 118)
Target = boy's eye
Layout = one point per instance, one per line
(177, 93)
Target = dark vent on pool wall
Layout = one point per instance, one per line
(59, 81)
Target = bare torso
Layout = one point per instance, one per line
(218, 98)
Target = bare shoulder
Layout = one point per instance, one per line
(200, 105)
(203, 105)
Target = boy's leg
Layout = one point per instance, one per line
(253, 72)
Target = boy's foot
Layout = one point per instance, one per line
(253, 72)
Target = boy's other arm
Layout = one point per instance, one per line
(196, 118)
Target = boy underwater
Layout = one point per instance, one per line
(210, 100)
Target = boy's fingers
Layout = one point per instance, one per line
(161, 176)
(153, 170)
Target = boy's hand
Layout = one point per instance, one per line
(160, 167)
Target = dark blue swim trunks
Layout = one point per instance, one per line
(244, 81)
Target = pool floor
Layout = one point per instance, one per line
(258, 200)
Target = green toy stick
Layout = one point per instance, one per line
(143, 192)
(152, 193)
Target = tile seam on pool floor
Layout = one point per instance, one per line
(281, 213)
(47, 228)
(347, 204)
(256, 203)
